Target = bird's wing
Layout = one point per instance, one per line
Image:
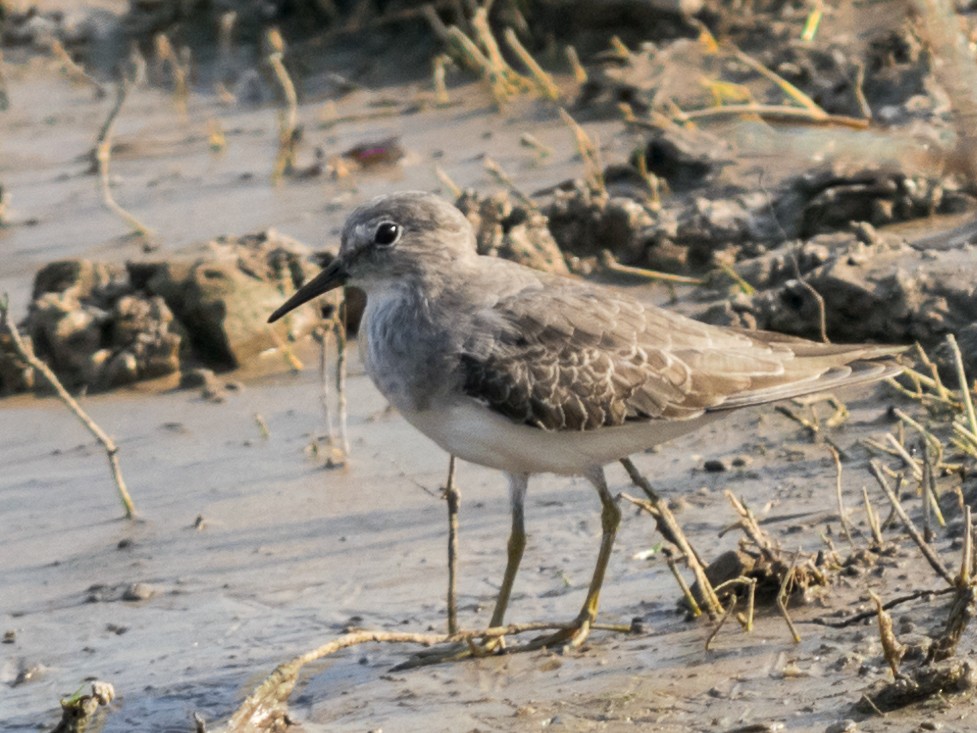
(566, 355)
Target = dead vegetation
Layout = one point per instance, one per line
(948, 449)
(82, 712)
(26, 353)
(761, 572)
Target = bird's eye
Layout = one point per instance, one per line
(387, 234)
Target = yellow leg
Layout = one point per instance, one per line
(610, 517)
(517, 543)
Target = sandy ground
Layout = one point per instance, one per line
(289, 554)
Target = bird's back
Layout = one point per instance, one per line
(563, 354)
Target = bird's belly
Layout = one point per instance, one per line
(474, 433)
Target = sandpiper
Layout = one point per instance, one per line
(529, 372)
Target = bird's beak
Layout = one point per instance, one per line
(331, 277)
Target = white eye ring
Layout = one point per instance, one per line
(387, 234)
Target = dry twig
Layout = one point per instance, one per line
(672, 532)
(267, 706)
(842, 513)
(180, 69)
(813, 428)
(892, 649)
(589, 150)
(288, 119)
(544, 82)
(452, 497)
(111, 449)
(928, 552)
(102, 156)
(610, 263)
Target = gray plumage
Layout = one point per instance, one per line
(528, 372)
(552, 352)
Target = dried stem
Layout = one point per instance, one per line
(964, 606)
(102, 155)
(775, 112)
(722, 621)
(167, 56)
(782, 596)
(908, 461)
(673, 566)
(544, 82)
(873, 519)
(813, 429)
(924, 547)
(892, 649)
(452, 496)
(579, 72)
(438, 78)
(789, 89)
(339, 328)
(111, 449)
(267, 706)
(608, 261)
(842, 514)
(968, 402)
(453, 188)
(324, 334)
(750, 585)
(818, 298)
(589, 152)
(288, 120)
(672, 532)
(499, 174)
(748, 523)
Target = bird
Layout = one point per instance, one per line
(531, 372)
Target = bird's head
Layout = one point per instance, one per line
(388, 240)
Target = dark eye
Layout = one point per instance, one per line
(387, 233)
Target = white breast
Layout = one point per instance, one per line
(474, 433)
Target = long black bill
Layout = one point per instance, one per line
(332, 277)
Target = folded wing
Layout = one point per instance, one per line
(563, 355)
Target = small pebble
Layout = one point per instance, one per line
(197, 378)
(714, 465)
(842, 726)
(138, 592)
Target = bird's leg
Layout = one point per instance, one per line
(517, 543)
(610, 517)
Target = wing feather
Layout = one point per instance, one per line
(560, 354)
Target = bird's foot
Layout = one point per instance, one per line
(572, 636)
(454, 652)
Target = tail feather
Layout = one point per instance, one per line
(817, 367)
